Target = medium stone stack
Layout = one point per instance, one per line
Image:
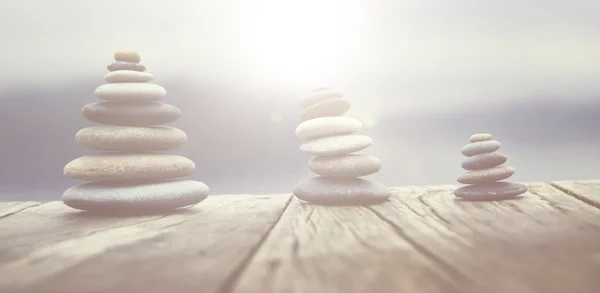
(331, 138)
(130, 176)
(485, 171)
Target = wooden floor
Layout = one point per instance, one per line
(423, 240)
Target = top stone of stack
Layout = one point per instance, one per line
(128, 56)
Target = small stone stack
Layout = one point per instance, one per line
(331, 138)
(486, 170)
(129, 176)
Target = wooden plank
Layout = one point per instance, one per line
(425, 240)
(13, 207)
(192, 251)
(587, 191)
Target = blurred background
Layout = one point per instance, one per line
(422, 75)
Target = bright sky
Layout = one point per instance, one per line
(386, 55)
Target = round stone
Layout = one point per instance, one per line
(319, 96)
(486, 175)
(128, 76)
(327, 108)
(490, 191)
(122, 65)
(327, 126)
(128, 56)
(483, 161)
(341, 191)
(480, 147)
(336, 145)
(345, 166)
(130, 92)
(135, 198)
(480, 137)
(129, 166)
(130, 114)
(131, 139)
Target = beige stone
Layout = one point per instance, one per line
(134, 139)
(128, 56)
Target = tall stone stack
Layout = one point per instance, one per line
(485, 168)
(332, 139)
(130, 176)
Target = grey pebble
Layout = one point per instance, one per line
(480, 147)
(483, 161)
(338, 191)
(487, 175)
(131, 114)
(336, 145)
(490, 191)
(345, 166)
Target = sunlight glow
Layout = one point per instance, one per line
(303, 41)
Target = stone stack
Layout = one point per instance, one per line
(485, 171)
(129, 175)
(331, 138)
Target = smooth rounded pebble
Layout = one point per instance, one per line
(319, 96)
(338, 191)
(134, 198)
(132, 139)
(486, 175)
(129, 166)
(122, 65)
(480, 147)
(130, 114)
(480, 137)
(336, 145)
(327, 126)
(128, 76)
(327, 108)
(490, 191)
(130, 92)
(483, 161)
(128, 56)
(345, 166)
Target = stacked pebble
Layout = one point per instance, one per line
(486, 170)
(331, 138)
(129, 176)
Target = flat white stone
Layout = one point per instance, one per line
(327, 126)
(131, 114)
(127, 56)
(344, 166)
(129, 166)
(319, 96)
(128, 76)
(480, 137)
(336, 145)
(327, 108)
(132, 139)
(130, 92)
(123, 65)
(135, 198)
(341, 191)
(480, 147)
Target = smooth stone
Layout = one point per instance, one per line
(130, 92)
(319, 96)
(129, 166)
(327, 108)
(131, 139)
(487, 175)
(130, 114)
(327, 126)
(480, 147)
(128, 76)
(483, 161)
(122, 65)
(128, 56)
(338, 191)
(134, 198)
(345, 166)
(336, 145)
(480, 137)
(490, 191)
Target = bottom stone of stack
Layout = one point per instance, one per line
(341, 191)
(490, 191)
(135, 197)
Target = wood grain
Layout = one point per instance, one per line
(196, 250)
(587, 191)
(425, 240)
(13, 207)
